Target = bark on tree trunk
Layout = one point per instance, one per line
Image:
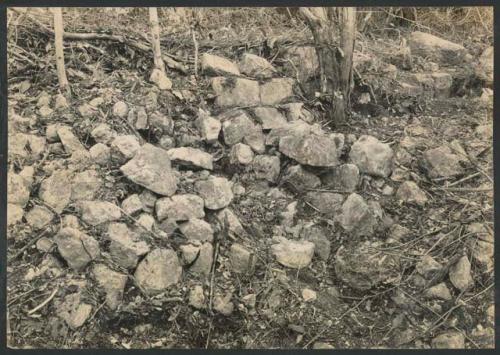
(159, 75)
(155, 31)
(335, 59)
(58, 34)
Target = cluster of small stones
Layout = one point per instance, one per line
(271, 128)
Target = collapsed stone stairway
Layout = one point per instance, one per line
(185, 193)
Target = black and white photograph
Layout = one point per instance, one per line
(249, 178)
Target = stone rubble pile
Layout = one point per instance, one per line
(265, 131)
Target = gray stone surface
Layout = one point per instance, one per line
(236, 92)
(357, 217)
(293, 254)
(216, 65)
(112, 282)
(152, 169)
(191, 157)
(215, 191)
(361, 266)
(197, 229)
(159, 270)
(372, 157)
(98, 212)
(180, 207)
(77, 248)
(314, 150)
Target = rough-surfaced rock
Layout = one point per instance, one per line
(100, 154)
(439, 291)
(344, 178)
(305, 61)
(362, 266)
(132, 204)
(449, 340)
(18, 191)
(236, 92)
(197, 229)
(85, 185)
(112, 282)
(328, 203)
(125, 247)
(26, 146)
(146, 221)
(196, 297)
(292, 253)
(314, 150)
(77, 248)
(255, 66)
(208, 126)
(321, 243)
(428, 266)
(120, 109)
(460, 274)
(50, 132)
(371, 156)
(266, 167)
(191, 157)
(357, 217)
(73, 311)
(141, 122)
(103, 133)
(409, 192)
(216, 65)
(124, 147)
(152, 169)
(435, 48)
(14, 214)
(161, 123)
(223, 304)
(269, 117)
(180, 207)
(215, 191)
(203, 263)
(484, 68)
(443, 83)
(241, 154)
(230, 222)
(55, 191)
(70, 142)
(288, 215)
(236, 125)
(255, 139)
(295, 128)
(39, 217)
(242, 260)
(295, 112)
(441, 162)
(300, 179)
(276, 91)
(157, 271)
(98, 212)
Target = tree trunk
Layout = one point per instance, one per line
(158, 76)
(58, 34)
(334, 56)
(155, 31)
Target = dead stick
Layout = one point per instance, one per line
(40, 306)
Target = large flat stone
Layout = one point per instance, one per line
(151, 168)
(314, 150)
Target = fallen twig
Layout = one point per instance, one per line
(41, 305)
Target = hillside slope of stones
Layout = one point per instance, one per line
(245, 208)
